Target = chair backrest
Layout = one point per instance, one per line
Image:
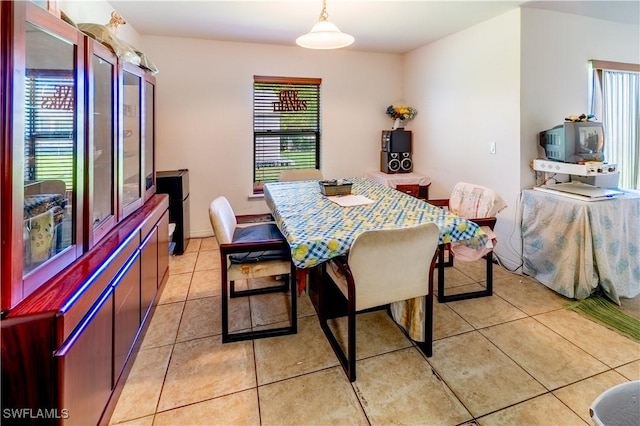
(223, 220)
(474, 201)
(389, 265)
(300, 174)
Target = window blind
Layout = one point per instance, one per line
(286, 126)
(49, 127)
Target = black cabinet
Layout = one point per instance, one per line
(176, 184)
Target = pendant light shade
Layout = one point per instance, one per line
(324, 34)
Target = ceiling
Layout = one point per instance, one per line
(385, 26)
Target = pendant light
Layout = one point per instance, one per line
(324, 34)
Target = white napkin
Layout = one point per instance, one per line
(350, 200)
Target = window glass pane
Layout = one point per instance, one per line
(103, 165)
(274, 153)
(50, 141)
(621, 112)
(131, 144)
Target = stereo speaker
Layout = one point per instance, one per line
(395, 162)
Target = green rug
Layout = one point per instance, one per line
(600, 309)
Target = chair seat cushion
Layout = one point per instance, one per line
(257, 233)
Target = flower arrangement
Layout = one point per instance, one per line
(401, 112)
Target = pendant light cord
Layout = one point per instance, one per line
(324, 16)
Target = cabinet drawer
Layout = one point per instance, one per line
(85, 365)
(96, 284)
(163, 247)
(126, 317)
(149, 272)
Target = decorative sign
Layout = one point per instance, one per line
(62, 98)
(289, 102)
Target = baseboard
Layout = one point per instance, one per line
(205, 233)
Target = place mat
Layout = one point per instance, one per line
(350, 200)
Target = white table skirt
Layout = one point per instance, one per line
(575, 246)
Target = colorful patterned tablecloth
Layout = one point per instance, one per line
(318, 229)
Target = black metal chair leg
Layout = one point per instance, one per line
(225, 307)
(351, 345)
(348, 362)
(488, 291)
(259, 334)
(441, 265)
(489, 258)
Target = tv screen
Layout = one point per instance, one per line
(574, 142)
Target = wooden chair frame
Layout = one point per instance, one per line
(348, 359)
(488, 291)
(228, 291)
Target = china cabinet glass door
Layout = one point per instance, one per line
(149, 137)
(50, 142)
(101, 147)
(131, 137)
(42, 184)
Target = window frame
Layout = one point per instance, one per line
(627, 164)
(309, 129)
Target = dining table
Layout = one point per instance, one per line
(318, 227)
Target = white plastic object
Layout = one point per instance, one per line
(617, 406)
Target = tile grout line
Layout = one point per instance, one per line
(173, 346)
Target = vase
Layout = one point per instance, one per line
(397, 124)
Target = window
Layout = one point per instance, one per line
(286, 126)
(615, 100)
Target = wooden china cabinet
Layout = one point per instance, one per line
(84, 237)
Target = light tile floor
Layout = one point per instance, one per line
(517, 358)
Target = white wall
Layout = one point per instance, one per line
(97, 12)
(466, 88)
(556, 48)
(204, 112)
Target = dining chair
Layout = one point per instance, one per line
(480, 205)
(291, 175)
(249, 252)
(383, 266)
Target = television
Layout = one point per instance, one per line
(398, 140)
(574, 142)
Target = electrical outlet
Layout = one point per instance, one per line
(492, 147)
